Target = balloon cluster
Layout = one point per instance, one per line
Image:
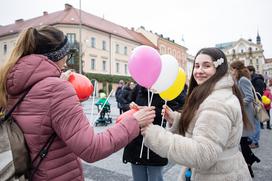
(160, 74)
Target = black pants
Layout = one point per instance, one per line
(249, 156)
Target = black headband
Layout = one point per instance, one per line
(60, 52)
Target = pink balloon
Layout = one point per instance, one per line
(144, 65)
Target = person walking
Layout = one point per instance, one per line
(117, 95)
(52, 106)
(205, 135)
(125, 97)
(242, 76)
(148, 167)
(258, 83)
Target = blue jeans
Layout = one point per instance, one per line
(255, 137)
(147, 173)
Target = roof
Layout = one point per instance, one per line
(268, 60)
(224, 45)
(70, 15)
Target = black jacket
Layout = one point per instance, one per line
(125, 98)
(257, 81)
(132, 150)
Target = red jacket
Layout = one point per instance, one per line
(52, 106)
(268, 94)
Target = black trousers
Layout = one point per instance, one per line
(249, 156)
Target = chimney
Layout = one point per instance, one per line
(19, 20)
(45, 13)
(68, 6)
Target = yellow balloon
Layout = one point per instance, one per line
(176, 88)
(266, 100)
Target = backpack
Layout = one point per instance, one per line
(14, 149)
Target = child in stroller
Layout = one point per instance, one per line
(104, 118)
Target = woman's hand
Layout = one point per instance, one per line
(145, 116)
(135, 106)
(168, 114)
(65, 75)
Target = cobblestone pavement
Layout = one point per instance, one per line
(113, 169)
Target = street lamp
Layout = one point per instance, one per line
(80, 43)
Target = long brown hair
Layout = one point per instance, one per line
(30, 41)
(198, 93)
(241, 69)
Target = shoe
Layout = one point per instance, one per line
(257, 159)
(268, 127)
(254, 145)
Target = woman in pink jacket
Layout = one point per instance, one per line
(52, 106)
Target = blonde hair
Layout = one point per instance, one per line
(30, 41)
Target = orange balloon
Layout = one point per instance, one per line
(82, 85)
(125, 115)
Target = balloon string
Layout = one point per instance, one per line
(95, 85)
(102, 107)
(148, 98)
(163, 114)
(151, 99)
(142, 147)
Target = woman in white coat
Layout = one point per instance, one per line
(206, 135)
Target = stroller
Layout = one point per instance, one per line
(104, 117)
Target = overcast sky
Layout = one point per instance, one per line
(201, 23)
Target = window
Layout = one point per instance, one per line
(250, 62)
(5, 48)
(257, 61)
(125, 50)
(117, 68)
(104, 45)
(93, 42)
(104, 64)
(92, 64)
(71, 37)
(242, 51)
(117, 48)
(126, 69)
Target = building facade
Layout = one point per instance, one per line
(267, 70)
(105, 46)
(246, 51)
(167, 46)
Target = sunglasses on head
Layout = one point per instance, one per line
(69, 57)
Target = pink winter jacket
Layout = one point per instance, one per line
(52, 106)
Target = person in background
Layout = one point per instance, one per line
(242, 76)
(206, 135)
(52, 106)
(147, 169)
(267, 93)
(258, 83)
(125, 97)
(117, 95)
(102, 99)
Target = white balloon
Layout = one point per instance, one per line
(168, 74)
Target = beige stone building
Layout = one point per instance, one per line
(105, 46)
(247, 51)
(267, 69)
(167, 46)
